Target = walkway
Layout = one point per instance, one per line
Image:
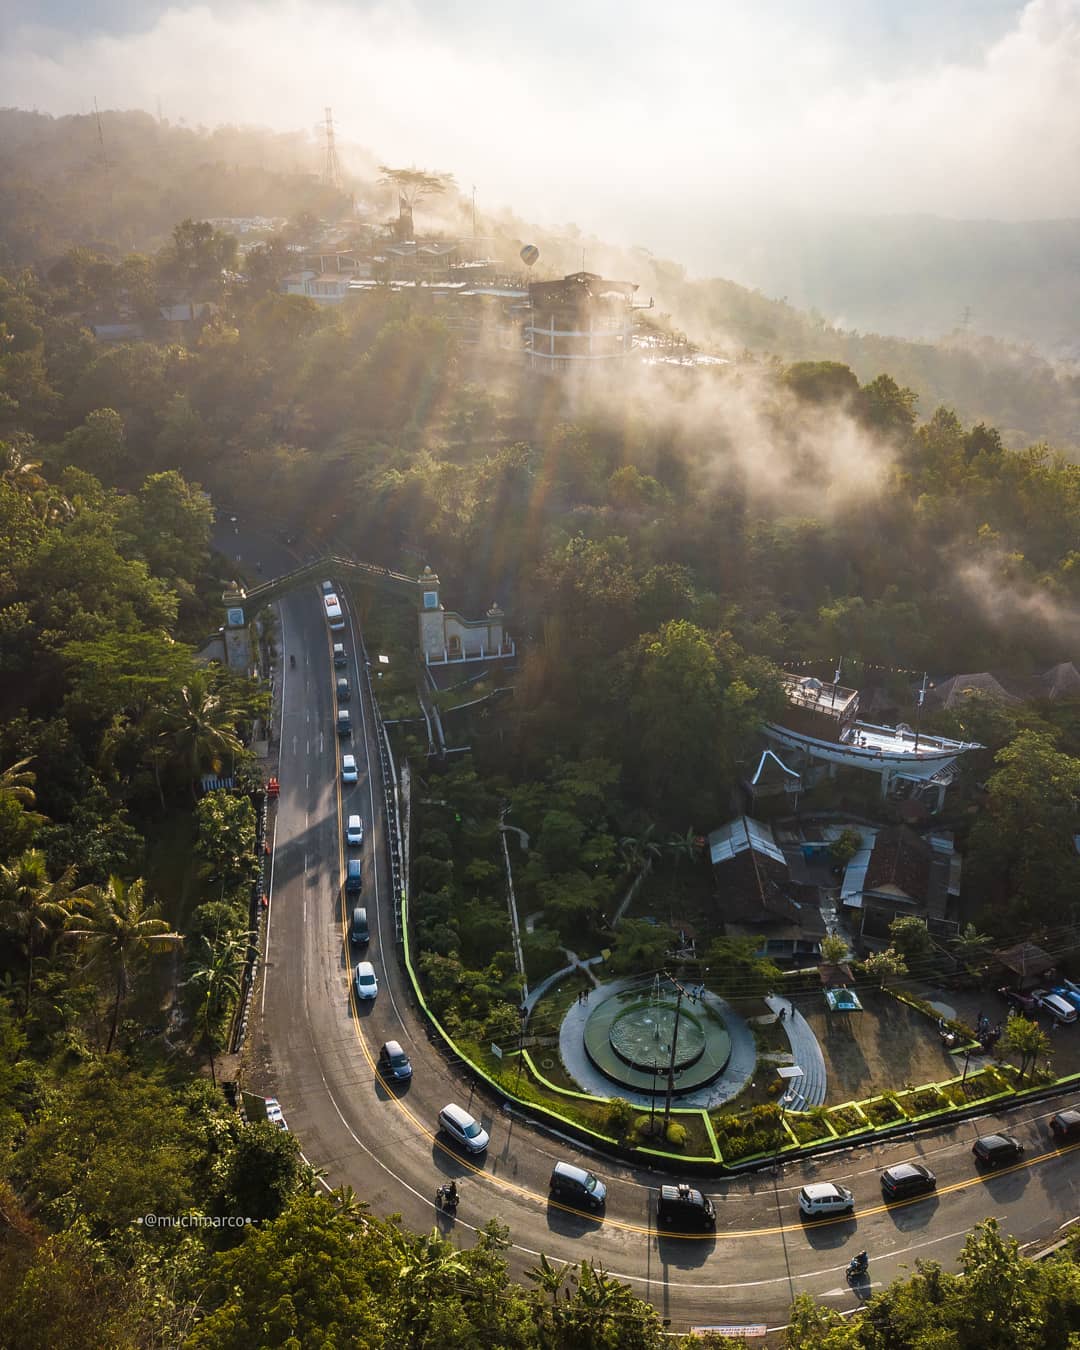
(809, 1090)
(575, 964)
(580, 1067)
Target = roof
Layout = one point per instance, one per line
(741, 834)
(580, 288)
(1060, 681)
(953, 691)
(772, 770)
(899, 865)
(751, 873)
(1025, 959)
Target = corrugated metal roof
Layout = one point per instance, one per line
(739, 835)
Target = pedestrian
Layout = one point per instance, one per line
(782, 1013)
(586, 994)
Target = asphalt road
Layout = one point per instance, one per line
(314, 1048)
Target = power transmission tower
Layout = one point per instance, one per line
(103, 158)
(331, 174)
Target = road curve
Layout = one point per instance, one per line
(314, 1049)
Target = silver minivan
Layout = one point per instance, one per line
(354, 832)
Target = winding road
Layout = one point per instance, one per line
(314, 1048)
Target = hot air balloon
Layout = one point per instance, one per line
(529, 254)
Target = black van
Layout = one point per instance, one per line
(354, 876)
(682, 1208)
(358, 927)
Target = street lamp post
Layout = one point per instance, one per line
(789, 1073)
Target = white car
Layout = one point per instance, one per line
(348, 769)
(825, 1197)
(1055, 1005)
(328, 588)
(367, 986)
(274, 1113)
(354, 832)
(463, 1128)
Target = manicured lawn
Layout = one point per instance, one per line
(886, 1047)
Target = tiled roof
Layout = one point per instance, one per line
(900, 862)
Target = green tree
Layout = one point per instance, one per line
(264, 1172)
(215, 971)
(884, 964)
(834, 949)
(1027, 1039)
(226, 837)
(116, 923)
(33, 908)
(736, 971)
(843, 849)
(200, 725)
(911, 938)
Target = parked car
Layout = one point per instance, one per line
(348, 769)
(354, 832)
(906, 1180)
(825, 1197)
(1015, 999)
(1069, 995)
(463, 1128)
(394, 1062)
(274, 1113)
(685, 1209)
(367, 986)
(1055, 1005)
(996, 1150)
(1065, 1125)
(577, 1186)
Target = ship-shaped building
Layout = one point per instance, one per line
(820, 725)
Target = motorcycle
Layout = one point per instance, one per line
(858, 1266)
(446, 1199)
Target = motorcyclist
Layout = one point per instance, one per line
(860, 1262)
(451, 1194)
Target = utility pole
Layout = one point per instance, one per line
(681, 992)
(331, 175)
(474, 211)
(918, 712)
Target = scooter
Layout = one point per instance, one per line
(446, 1199)
(858, 1266)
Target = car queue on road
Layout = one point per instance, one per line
(680, 1209)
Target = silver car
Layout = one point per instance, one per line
(463, 1128)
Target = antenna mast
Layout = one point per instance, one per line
(103, 158)
(331, 174)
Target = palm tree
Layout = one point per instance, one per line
(971, 946)
(32, 906)
(200, 725)
(639, 852)
(217, 972)
(17, 470)
(549, 1279)
(17, 782)
(118, 924)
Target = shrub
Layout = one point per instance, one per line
(926, 1099)
(619, 1115)
(676, 1134)
(884, 1111)
(844, 1119)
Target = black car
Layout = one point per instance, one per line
(1065, 1125)
(394, 1063)
(906, 1180)
(996, 1150)
(576, 1185)
(685, 1209)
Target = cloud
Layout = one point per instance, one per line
(628, 119)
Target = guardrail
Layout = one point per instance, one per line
(390, 792)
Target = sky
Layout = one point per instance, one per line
(636, 121)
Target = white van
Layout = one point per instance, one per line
(354, 832)
(1055, 1005)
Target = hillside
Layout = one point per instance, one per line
(63, 185)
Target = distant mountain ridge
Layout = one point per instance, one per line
(920, 277)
